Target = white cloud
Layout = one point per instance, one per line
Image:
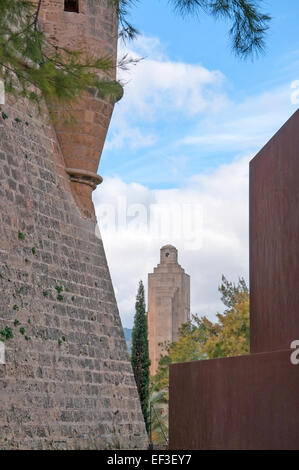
(156, 87)
(132, 253)
(157, 84)
(164, 86)
(126, 134)
(246, 125)
(173, 114)
(183, 111)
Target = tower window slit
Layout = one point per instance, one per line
(71, 5)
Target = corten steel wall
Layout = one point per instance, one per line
(249, 402)
(274, 241)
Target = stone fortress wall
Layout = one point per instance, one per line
(67, 382)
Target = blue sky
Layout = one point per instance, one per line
(192, 117)
(203, 42)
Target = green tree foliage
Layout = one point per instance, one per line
(229, 336)
(31, 66)
(127, 30)
(140, 355)
(184, 350)
(232, 294)
(204, 339)
(248, 24)
(159, 416)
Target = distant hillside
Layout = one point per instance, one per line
(128, 337)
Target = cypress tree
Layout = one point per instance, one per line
(140, 354)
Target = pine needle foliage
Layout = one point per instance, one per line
(249, 24)
(31, 66)
(126, 29)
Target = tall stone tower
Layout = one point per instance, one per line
(67, 382)
(168, 303)
(90, 27)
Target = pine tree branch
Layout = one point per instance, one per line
(35, 23)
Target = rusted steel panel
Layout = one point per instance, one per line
(274, 241)
(252, 402)
(249, 402)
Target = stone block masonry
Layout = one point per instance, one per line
(92, 30)
(67, 382)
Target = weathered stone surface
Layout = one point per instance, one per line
(55, 281)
